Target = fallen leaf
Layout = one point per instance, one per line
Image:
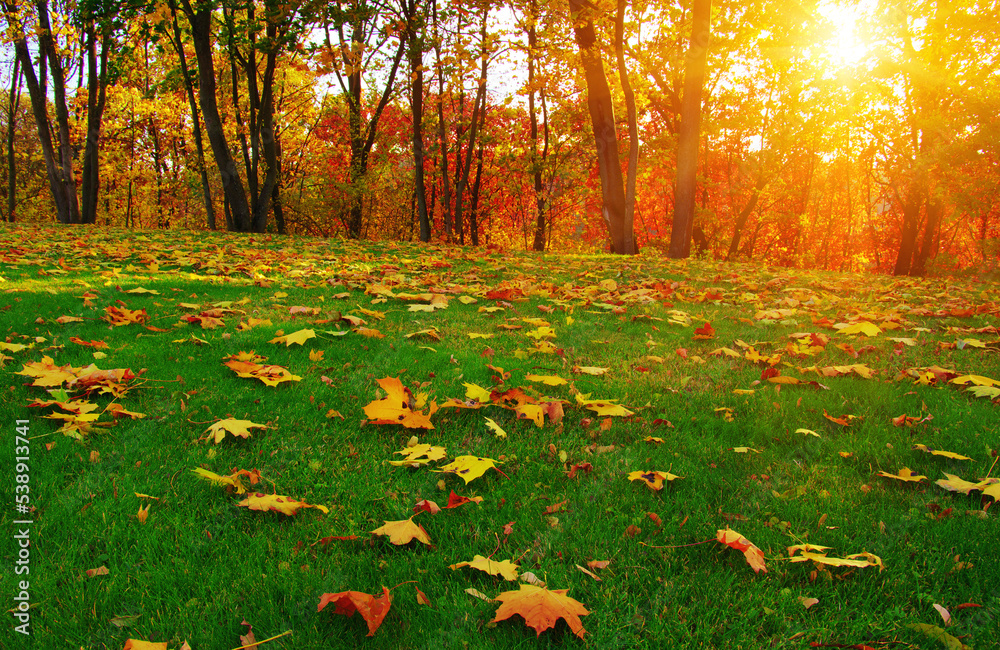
(277, 503)
(652, 479)
(480, 595)
(372, 609)
(541, 608)
(732, 539)
(239, 428)
(936, 633)
(455, 500)
(505, 569)
(468, 467)
(403, 532)
(425, 505)
(935, 452)
(905, 474)
(945, 614)
(395, 408)
(99, 571)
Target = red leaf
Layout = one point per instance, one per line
(372, 609)
(704, 333)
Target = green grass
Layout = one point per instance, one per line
(200, 565)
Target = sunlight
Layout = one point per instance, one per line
(844, 45)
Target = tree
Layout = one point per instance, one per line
(362, 30)
(415, 53)
(602, 118)
(59, 166)
(12, 105)
(538, 158)
(177, 42)
(687, 141)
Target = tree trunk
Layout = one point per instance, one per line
(12, 106)
(415, 53)
(687, 140)
(441, 129)
(537, 161)
(97, 85)
(206, 190)
(602, 119)
(48, 50)
(928, 244)
(478, 113)
(232, 184)
(633, 122)
(741, 219)
(40, 113)
(911, 224)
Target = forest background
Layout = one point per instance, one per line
(838, 135)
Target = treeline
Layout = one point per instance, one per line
(763, 130)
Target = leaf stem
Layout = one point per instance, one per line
(257, 643)
(680, 545)
(991, 467)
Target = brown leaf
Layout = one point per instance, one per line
(99, 571)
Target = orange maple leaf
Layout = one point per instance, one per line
(372, 609)
(394, 408)
(541, 608)
(732, 539)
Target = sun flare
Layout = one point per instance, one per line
(844, 45)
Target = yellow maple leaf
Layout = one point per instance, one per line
(506, 569)
(602, 407)
(476, 392)
(548, 380)
(134, 644)
(975, 380)
(851, 560)
(231, 482)
(653, 479)
(297, 338)
(589, 370)
(541, 333)
(403, 532)
(935, 452)
(394, 408)
(276, 502)
(956, 484)
(469, 467)
(418, 455)
(493, 426)
(862, 327)
(905, 474)
(235, 427)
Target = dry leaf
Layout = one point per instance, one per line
(372, 609)
(541, 608)
(505, 569)
(754, 556)
(403, 532)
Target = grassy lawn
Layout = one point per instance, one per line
(778, 420)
